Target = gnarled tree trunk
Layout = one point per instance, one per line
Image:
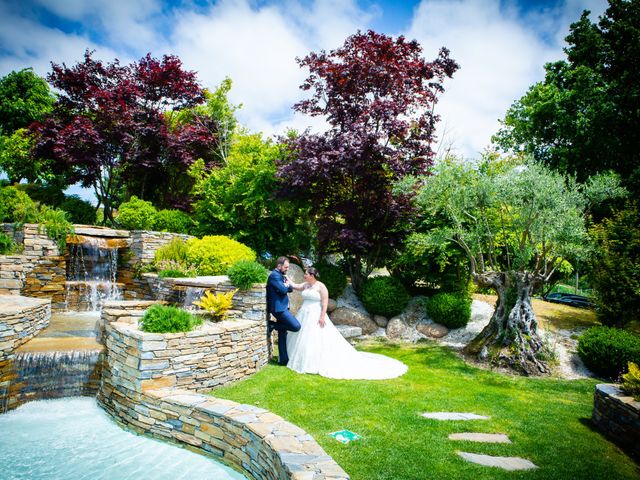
(511, 337)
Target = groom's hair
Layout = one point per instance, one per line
(280, 261)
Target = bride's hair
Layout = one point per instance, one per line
(313, 271)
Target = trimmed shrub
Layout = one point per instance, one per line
(453, 310)
(136, 214)
(213, 255)
(245, 273)
(7, 245)
(166, 319)
(607, 351)
(174, 221)
(333, 277)
(17, 207)
(384, 296)
(78, 210)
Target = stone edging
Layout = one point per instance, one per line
(617, 415)
(21, 319)
(250, 439)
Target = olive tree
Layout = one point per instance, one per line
(517, 223)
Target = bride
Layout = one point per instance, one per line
(320, 348)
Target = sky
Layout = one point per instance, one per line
(500, 45)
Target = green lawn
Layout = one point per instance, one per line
(546, 419)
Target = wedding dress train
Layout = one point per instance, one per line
(323, 350)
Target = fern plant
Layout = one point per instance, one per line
(217, 304)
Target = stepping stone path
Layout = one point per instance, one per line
(481, 437)
(506, 463)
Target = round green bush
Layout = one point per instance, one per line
(78, 210)
(174, 221)
(607, 351)
(384, 296)
(453, 310)
(136, 214)
(213, 255)
(245, 273)
(167, 319)
(333, 277)
(17, 207)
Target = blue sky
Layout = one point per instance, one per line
(501, 47)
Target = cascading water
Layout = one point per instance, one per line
(91, 274)
(192, 294)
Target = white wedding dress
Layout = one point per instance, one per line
(323, 350)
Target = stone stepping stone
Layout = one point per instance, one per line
(453, 416)
(348, 331)
(506, 463)
(481, 437)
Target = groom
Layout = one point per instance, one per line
(278, 305)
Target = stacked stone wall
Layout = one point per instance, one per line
(617, 415)
(144, 244)
(259, 443)
(21, 319)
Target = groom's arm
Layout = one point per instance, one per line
(277, 284)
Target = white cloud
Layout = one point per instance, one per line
(500, 55)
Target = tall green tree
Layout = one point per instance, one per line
(237, 199)
(517, 224)
(584, 118)
(24, 98)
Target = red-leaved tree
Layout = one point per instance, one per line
(109, 128)
(378, 95)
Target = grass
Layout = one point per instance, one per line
(546, 419)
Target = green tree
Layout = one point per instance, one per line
(517, 224)
(236, 199)
(584, 118)
(24, 98)
(616, 271)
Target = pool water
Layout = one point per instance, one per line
(73, 438)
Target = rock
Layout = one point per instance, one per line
(415, 311)
(506, 463)
(397, 329)
(296, 275)
(350, 316)
(484, 353)
(347, 331)
(433, 330)
(332, 305)
(348, 298)
(481, 312)
(381, 321)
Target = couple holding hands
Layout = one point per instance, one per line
(311, 343)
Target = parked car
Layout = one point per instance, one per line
(571, 299)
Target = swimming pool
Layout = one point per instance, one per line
(73, 438)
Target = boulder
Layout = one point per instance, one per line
(332, 305)
(415, 311)
(350, 316)
(381, 321)
(347, 331)
(397, 329)
(295, 275)
(433, 330)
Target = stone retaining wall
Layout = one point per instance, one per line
(213, 355)
(617, 415)
(260, 444)
(144, 244)
(21, 319)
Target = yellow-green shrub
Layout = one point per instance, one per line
(213, 255)
(631, 381)
(217, 304)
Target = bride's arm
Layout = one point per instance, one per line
(298, 286)
(324, 300)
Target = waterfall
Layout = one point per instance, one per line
(192, 294)
(42, 375)
(91, 274)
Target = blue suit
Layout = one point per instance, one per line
(278, 306)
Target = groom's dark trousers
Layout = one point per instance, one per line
(278, 306)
